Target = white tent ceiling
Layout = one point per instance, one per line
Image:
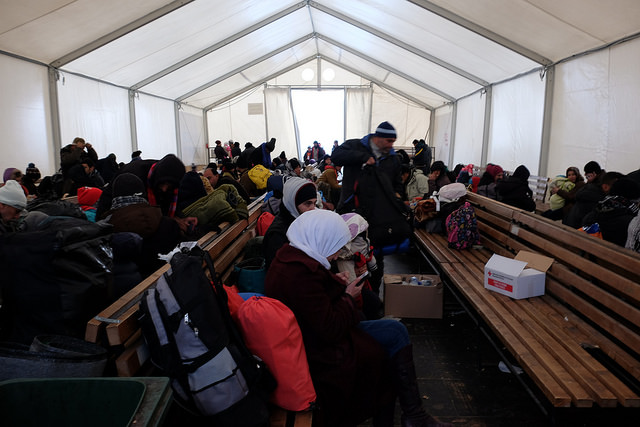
(202, 52)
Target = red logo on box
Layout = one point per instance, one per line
(500, 285)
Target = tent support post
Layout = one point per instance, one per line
(132, 120)
(545, 144)
(452, 140)
(55, 115)
(176, 110)
(487, 125)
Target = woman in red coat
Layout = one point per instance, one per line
(355, 374)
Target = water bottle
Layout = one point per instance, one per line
(414, 281)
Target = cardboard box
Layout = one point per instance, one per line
(404, 300)
(511, 277)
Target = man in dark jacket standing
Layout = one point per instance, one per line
(372, 186)
(422, 158)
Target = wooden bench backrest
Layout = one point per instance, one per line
(118, 325)
(595, 279)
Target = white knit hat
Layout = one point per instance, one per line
(12, 194)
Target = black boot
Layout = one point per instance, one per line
(413, 414)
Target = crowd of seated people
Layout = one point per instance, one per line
(153, 204)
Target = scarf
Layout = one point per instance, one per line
(319, 234)
(616, 203)
(124, 201)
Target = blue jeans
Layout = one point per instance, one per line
(391, 334)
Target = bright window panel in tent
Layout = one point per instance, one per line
(155, 126)
(516, 124)
(437, 37)
(442, 127)
(25, 116)
(173, 38)
(192, 144)
(97, 112)
(253, 75)
(374, 72)
(233, 56)
(467, 144)
(319, 116)
(410, 120)
(392, 56)
(232, 121)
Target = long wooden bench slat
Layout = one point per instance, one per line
(572, 359)
(549, 354)
(563, 332)
(467, 284)
(591, 304)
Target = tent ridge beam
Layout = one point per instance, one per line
(218, 45)
(387, 68)
(484, 32)
(245, 67)
(400, 44)
(379, 83)
(134, 25)
(260, 82)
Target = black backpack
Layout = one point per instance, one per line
(193, 340)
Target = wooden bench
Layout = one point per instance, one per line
(580, 342)
(117, 327)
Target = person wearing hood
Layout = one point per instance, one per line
(357, 366)
(487, 185)
(161, 179)
(13, 213)
(298, 196)
(131, 212)
(515, 190)
(614, 213)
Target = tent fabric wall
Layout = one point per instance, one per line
(467, 145)
(192, 144)
(410, 120)
(442, 127)
(595, 111)
(516, 123)
(97, 112)
(232, 121)
(358, 112)
(280, 121)
(155, 126)
(25, 116)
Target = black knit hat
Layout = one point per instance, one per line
(169, 169)
(127, 184)
(306, 192)
(386, 130)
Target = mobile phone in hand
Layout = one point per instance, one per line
(361, 278)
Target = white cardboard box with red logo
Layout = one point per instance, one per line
(521, 277)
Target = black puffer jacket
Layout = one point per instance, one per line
(515, 190)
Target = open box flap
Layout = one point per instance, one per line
(535, 261)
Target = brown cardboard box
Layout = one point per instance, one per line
(404, 300)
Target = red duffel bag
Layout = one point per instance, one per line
(272, 333)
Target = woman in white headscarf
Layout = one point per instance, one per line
(298, 196)
(356, 366)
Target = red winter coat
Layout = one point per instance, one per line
(349, 369)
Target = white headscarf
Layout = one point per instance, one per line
(319, 233)
(290, 190)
